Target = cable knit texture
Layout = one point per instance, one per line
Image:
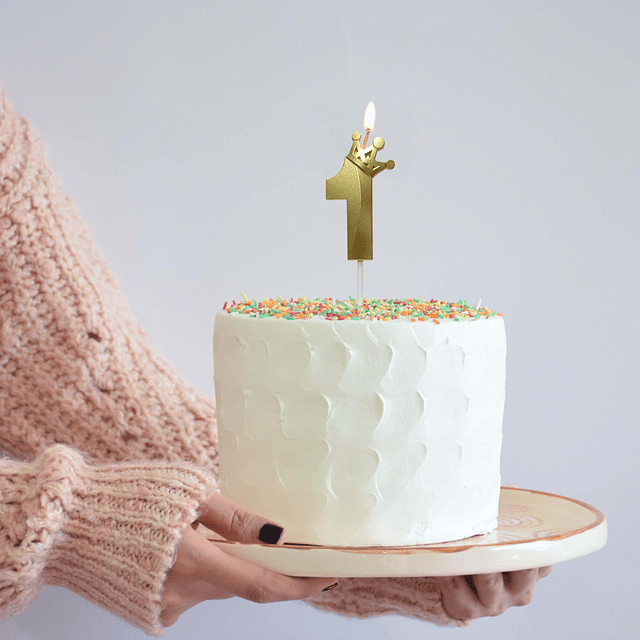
(86, 405)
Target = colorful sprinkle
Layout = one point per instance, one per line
(371, 309)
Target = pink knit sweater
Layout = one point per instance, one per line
(111, 451)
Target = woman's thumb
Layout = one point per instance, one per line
(234, 523)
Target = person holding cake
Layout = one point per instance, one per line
(112, 455)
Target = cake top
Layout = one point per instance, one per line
(414, 309)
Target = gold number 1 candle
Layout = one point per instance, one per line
(354, 184)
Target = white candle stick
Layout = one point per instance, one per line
(360, 277)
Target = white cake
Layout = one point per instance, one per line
(362, 432)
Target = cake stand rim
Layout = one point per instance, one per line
(438, 559)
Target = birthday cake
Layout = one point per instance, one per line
(362, 425)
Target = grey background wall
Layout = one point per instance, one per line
(195, 138)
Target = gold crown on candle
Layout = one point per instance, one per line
(365, 159)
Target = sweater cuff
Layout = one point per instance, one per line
(419, 598)
(122, 533)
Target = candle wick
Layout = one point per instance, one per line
(366, 139)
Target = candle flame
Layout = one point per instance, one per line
(370, 117)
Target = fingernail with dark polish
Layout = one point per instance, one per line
(270, 533)
(332, 586)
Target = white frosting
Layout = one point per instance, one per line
(358, 433)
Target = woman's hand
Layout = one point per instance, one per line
(203, 572)
(489, 594)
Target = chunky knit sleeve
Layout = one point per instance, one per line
(75, 365)
(419, 598)
(77, 369)
(110, 533)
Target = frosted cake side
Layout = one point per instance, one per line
(362, 432)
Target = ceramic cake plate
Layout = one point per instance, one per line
(535, 529)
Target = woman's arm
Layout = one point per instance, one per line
(420, 598)
(75, 366)
(109, 533)
(448, 601)
(119, 536)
